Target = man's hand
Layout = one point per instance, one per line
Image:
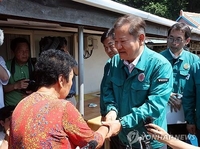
(22, 84)
(175, 102)
(191, 128)
(111, 116)
(110, 121)
(114, 127)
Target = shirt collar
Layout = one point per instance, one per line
(133, 63)
(175, 57)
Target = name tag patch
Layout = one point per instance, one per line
(162, 80)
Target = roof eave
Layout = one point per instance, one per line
(124, 9)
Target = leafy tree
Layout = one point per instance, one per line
(156, 8)
(166, 8)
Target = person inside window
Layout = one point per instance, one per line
(21, 70)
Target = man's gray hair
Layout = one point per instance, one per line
(1, 37)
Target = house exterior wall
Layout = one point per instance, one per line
(93, 66)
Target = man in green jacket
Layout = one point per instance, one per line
(107, 39)
(136, 86)
(191, 101)
(178, 38)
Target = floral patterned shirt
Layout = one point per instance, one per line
(42, 122)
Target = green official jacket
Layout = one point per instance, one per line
(180, 68)
(191, 96)
(134, 96)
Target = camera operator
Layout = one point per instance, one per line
(21, 72)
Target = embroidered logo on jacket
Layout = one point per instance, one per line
(163, 80)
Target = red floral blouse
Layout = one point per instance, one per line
(42, 122)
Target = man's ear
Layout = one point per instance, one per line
(187, 41)
(141, 39)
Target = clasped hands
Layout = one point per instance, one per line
(110, 121)
(175, 102)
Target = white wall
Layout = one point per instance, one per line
(93, 67)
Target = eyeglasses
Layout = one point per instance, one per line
(177, 40)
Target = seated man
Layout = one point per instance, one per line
(21, 71)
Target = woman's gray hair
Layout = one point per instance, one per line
(1, 37)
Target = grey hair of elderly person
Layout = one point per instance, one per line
(1, 37)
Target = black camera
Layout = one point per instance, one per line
(31, 87)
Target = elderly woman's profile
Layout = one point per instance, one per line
(44, 119)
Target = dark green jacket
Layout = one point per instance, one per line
(180, 68)
(144, 92)
(191, 96)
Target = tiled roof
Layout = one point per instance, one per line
(193, 18)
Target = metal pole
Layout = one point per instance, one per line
(80, 69)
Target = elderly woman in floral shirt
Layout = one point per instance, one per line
(44, 119)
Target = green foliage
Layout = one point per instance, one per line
(156, 8)
(166, 8)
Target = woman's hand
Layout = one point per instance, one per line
(158, 133)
